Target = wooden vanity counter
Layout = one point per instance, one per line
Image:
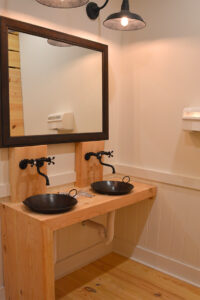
(86, 208)
(28, 245)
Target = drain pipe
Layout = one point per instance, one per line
(110, 227)
(107, 234)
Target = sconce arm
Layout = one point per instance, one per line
(101, 7)
(93, 9)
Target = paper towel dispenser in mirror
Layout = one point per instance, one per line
(191, 119)
(51, 92)
(61, 121)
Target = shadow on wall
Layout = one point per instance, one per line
(166, 19)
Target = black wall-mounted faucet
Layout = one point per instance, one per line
(99, 155)
(38, 162)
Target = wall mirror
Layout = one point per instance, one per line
(54, 86)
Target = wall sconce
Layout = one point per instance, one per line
(123, 20)
(63, 3)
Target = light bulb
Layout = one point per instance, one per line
(124, 21)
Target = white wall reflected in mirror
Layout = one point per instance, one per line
(55, 80)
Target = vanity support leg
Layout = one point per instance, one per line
(28, 257)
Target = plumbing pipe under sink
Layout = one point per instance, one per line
(107, 234)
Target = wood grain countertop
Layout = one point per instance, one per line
(86, 208)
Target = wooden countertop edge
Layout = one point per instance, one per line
(87, 209)
(100, 209)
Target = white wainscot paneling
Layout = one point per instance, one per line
(164, 232)
(2, 290)
(4, 175)
(78, 246)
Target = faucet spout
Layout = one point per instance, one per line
(39, 163)
(107, 165)
(44, 175)
(99, 155)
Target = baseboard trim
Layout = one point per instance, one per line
(158, 176)
(159, 262)
(81, 259)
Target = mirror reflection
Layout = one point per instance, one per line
(54, 87)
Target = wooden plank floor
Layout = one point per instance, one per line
(117, 277)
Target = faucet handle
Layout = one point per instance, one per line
(39, 162)
(110, 154)
(101, 153)
(51, 160)
(98, 154)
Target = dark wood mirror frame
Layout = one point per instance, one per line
(8, 141)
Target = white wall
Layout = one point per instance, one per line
(62, 79)
(163, 67)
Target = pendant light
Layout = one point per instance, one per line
(63, 3)
(123, 20)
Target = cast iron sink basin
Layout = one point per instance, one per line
(113, 187)
(52, 203)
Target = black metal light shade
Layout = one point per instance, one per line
(63, 3)
(124, 20)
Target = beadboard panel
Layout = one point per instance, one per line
(78, 245)
(81, 259)
(76, 238)
(4, 168)
(4, 190)
(168, 225)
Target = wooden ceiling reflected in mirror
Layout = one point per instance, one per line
(54, 86)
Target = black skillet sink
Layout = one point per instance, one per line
(113, 187)
(51, 203)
